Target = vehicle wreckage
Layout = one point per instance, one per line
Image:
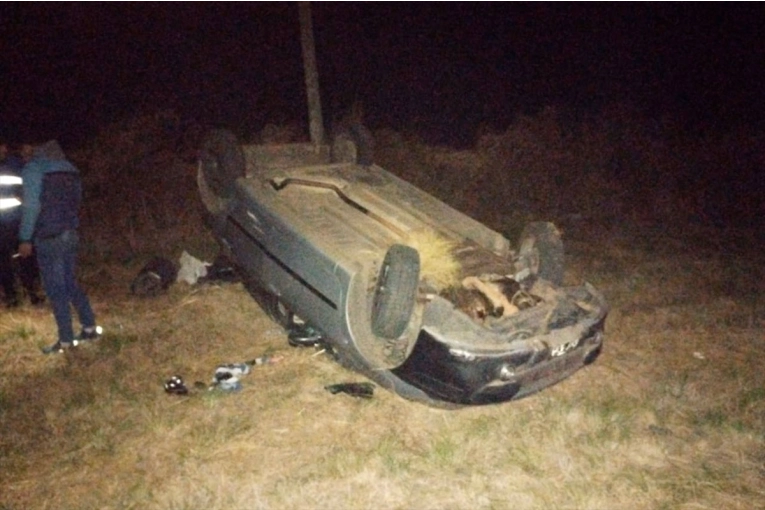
(415, 295)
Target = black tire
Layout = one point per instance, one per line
(221, 162)
(395, 291)
(541, 251)
(353, 144)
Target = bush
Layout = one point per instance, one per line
(139, 180)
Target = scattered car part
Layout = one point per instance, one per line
(155, 277)
(361, 390)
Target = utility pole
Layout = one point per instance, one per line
(316, 124)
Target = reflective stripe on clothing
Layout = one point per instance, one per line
(9, 203)
(10, 195)
(10, 180)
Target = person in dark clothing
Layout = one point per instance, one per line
(49, 222)
(10, 217)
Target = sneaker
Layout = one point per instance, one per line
(89, 334)
(58, 347)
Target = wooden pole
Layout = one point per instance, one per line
(316, 124)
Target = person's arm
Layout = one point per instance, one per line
(32, 177)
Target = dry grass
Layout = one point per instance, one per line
(670, 417)
(438, 266)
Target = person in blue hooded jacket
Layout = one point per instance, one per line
(49, 223)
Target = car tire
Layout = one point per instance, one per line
(541, 252)
(353, 144)
(221, 163)
(395, 291)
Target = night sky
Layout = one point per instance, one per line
(438, 70)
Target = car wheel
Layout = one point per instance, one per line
(221, 163)
(353, 144)
(541, 252)
(395, 291)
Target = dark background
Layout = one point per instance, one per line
(438, 70)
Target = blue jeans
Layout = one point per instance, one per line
(57, 258)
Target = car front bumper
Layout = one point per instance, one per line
(452, 373)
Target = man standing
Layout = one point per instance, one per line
(50, 218)
(10, 217)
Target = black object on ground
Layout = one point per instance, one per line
(361, 390)
(221, 270)
(303, 335)
(176, 386)
(155, 277)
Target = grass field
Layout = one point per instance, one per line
(671, 416)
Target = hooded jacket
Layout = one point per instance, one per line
(52, 194)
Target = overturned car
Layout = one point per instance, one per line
(399, 286)
(417, 296)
